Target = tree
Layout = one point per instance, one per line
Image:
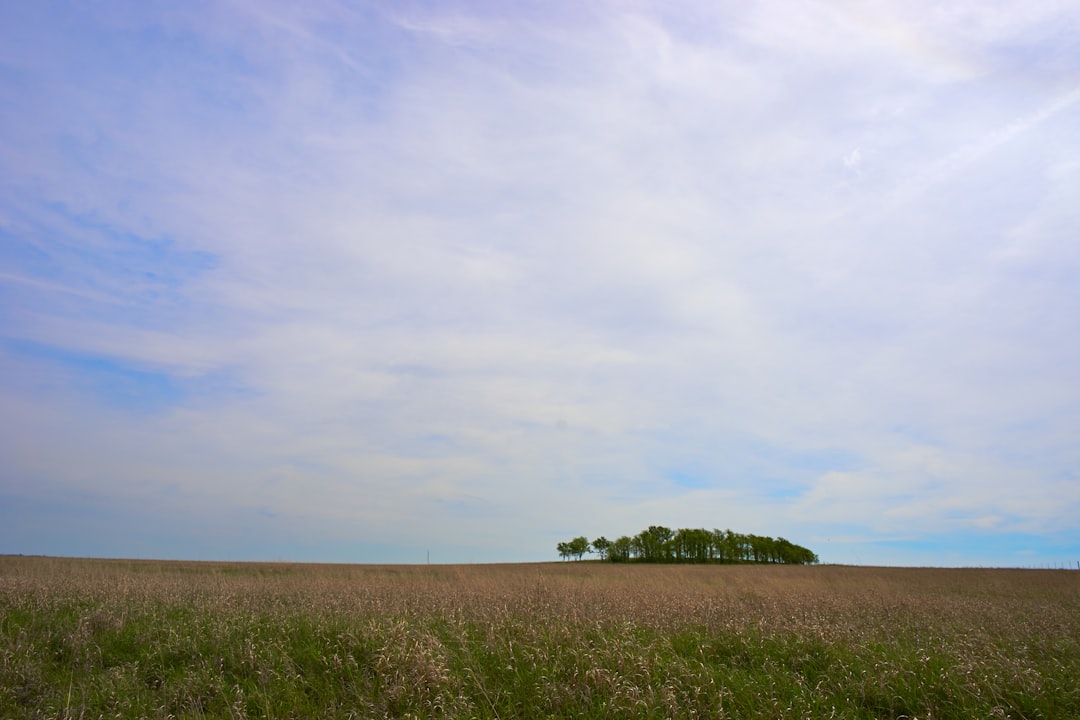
(579, 546)
(721, 546)
(655, 543)
(692, 545)
(689, 545)
(600, 546)
(619, 550)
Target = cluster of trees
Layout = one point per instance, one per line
(659, 544)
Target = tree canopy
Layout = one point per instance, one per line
(576, 548)
(659, 544)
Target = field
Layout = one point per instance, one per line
(126, 639)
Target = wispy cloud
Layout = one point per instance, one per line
(387, 280)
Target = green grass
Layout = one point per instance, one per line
(87, 638)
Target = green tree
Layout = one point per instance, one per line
(600, 546)
(721, 546)
(579, 546)
(619, 550)
(691, 545)
(655, 543)
(564, 550)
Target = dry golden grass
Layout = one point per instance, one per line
(97, 638)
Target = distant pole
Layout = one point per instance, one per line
(429, 558)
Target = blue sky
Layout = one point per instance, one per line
(363, 281)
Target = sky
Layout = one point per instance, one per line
(457, 281)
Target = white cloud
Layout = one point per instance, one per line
(853, 160)
(522, 268)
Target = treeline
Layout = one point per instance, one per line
(659, 544)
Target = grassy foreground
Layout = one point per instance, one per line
(120, 639)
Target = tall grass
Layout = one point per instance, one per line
(94, 638)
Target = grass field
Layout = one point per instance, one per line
(126, 639)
